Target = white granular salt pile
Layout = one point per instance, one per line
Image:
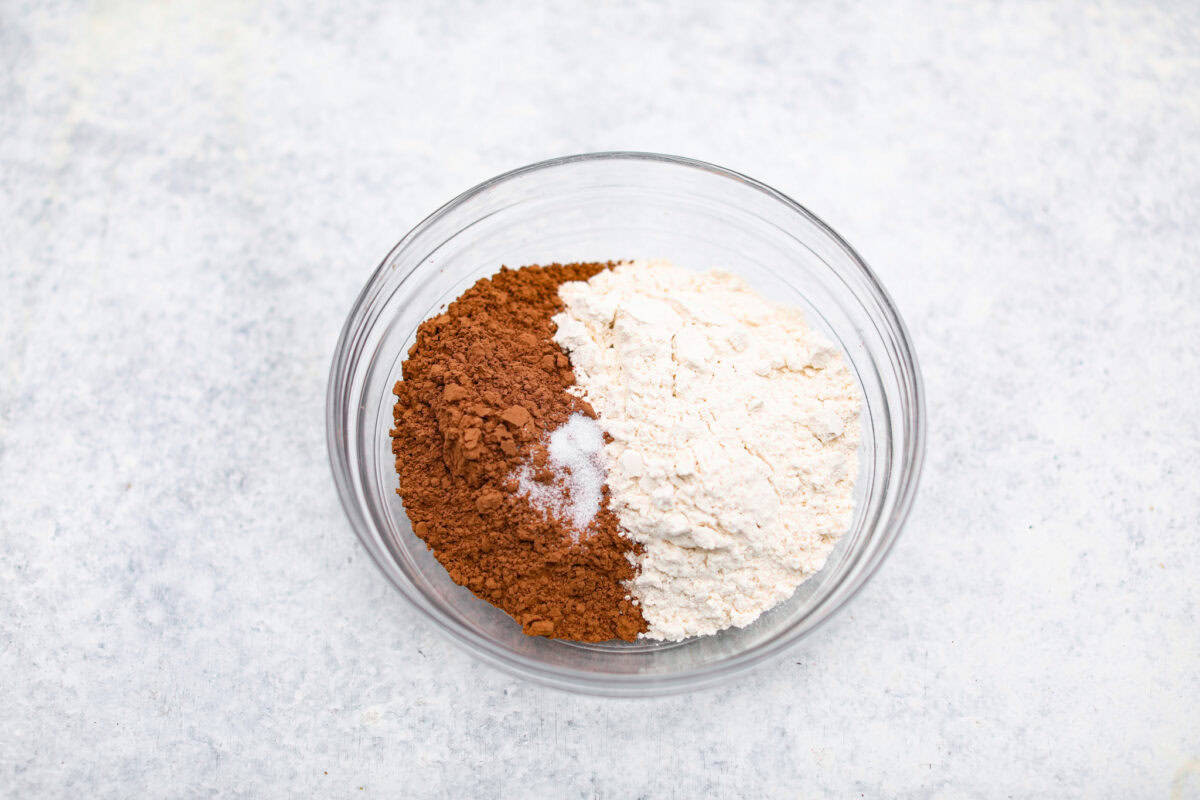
(576, 482)
(735, 432)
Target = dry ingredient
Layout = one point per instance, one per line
(483, 388)
(734, 431)
(686, 467)
(574, 490)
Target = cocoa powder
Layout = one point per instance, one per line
(482, 387)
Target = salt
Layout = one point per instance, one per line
(575, 491)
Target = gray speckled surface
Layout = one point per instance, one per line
(195, 192)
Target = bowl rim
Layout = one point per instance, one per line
(566, 678)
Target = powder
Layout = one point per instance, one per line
(483, 388)
(734, 433)
(571, 484)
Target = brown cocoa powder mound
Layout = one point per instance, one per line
(482, 387)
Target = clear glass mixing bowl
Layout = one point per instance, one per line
(597, 207)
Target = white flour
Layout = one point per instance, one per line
(735, 432)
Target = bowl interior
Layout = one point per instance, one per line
(618, 207)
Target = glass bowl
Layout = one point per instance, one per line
(597, 207)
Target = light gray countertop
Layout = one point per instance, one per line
(194, 193)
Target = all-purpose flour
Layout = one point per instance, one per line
(735, 430)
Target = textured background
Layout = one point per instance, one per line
(194, 192)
